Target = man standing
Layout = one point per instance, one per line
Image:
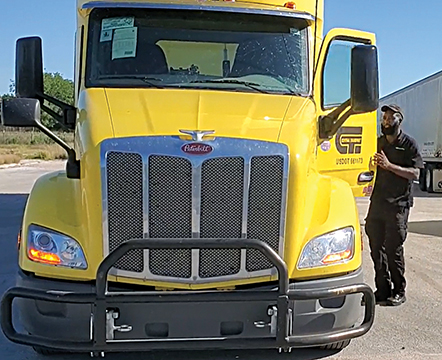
(398, 161)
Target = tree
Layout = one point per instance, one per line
(11, 92)
(55, 86)
(61, 89)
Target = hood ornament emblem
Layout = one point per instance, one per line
(197, 135)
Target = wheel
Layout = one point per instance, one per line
(336, 346)
(44, 351)
(429, 179)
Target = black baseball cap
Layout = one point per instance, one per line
(393, 107)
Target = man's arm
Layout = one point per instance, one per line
(409, 173)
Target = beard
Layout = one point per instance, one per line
(390, 130)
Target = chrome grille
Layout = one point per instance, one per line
(222, 189)
(125, 201)
(155, 190)
(264, 211)
(170, 213)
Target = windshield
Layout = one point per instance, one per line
(197, 49)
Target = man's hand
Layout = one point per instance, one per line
(382, 160)
(409, 173)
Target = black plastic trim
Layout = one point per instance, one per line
(102, 299)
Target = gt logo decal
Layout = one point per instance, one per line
(349, 140)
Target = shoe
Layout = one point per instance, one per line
(397, 300)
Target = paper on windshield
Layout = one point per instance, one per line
(109, 25)
(124, 44)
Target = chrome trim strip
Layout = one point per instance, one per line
(148, 276)
(146, 196)
(105, 216)
(196, 203)
(104, 196)
(245, 212)
(171, 146)
(146, 210)
(245, 202)
(200, 7)
(195, 264)
(283, 207)
(196, 217)
(243, 260)
(166, 340)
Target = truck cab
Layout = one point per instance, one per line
(209, 199)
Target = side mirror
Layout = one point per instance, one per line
(364, 79)
(20, 112)
(24, 110)
(29, 80)
(29, 68)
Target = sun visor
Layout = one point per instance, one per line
(225, 6)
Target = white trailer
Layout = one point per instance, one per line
(422, 106)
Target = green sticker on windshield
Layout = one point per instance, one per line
(109, 25)
(117, 23)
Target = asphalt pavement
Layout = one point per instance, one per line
(411, 331)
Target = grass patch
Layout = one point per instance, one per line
(32, 138)
(33, 152)
(33, 145)
(48, 152)
(9, 159)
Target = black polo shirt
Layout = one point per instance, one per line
(389, 187)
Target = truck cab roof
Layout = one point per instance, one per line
(286, 8)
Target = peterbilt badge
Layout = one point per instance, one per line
(197, 149)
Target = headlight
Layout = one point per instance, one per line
(50, 247)
(328, 249)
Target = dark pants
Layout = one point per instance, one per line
(386, 227)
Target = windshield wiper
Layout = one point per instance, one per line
(288, 88)
(145, 79)
(251, 85)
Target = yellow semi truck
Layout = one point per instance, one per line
(208, 201)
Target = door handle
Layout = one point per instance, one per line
(365, 177)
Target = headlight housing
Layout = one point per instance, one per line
(336, 247)
(53, 248)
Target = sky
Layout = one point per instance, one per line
(408, 35)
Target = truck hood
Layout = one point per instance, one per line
(116, 113)
(136, 112)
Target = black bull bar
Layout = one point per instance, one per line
(102, 300)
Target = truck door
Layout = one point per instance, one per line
(348, 154)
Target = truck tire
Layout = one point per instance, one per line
(336, 346)
(44, 351)
(429, 178)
